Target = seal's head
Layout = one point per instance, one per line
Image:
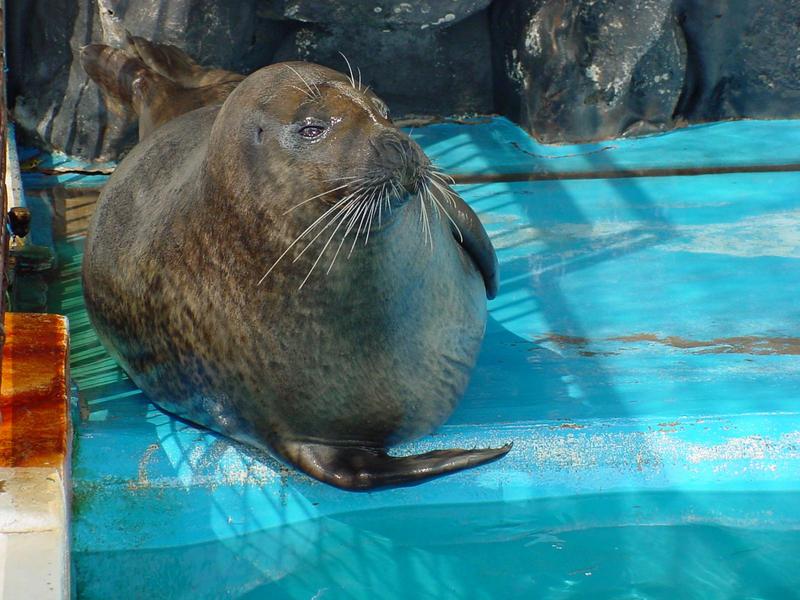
(327, 151)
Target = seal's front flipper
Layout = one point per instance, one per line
(469, 232)
(361, 468)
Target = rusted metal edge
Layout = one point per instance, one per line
(472, 178)
(34, 395)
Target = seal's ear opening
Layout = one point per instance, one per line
(259, 135)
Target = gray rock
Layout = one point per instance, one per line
(579, 71)
(744, 59)
(376, 14)
(53, 101)
(427, 72)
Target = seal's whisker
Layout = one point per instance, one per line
(363, 226)
(299, 237)
(340, 218)
(366, 175)
(321, 231)
(448, 193)
(349, 68)
(344, 237)
(381, 198)
(313, 94)
(398, 192)
(369, 223)
(364, 210)
(320, 255)
(302, 91)
(444, 187)
(426, 226)
(373, 207)
(438, 173)
(365, 217)
(350, 224)
(429, 225)
(359, 78)
(444, 210)
(429, 197)
(347, 177)
(288, 210)
(363, 214)
(339, 206)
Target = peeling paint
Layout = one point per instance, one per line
(654, 451)
(142, 480)
(731, 345)
(564, 340)
(755, 345)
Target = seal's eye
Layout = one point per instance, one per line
(311, 131)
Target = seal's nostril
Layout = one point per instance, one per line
(400, 159)
(395, 148)
(410, 183)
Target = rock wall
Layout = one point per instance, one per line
(431, 62)
(567, 70)
(586, 70)
(58, 107)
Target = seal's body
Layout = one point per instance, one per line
(288, 270)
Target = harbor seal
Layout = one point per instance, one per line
(290, 270)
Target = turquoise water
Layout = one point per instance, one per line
(655, 546)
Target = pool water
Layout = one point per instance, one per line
(605, 546)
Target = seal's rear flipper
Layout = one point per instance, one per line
(128, 83)
(124, 78)
(174, 64)
(114, 71)
(361, 468)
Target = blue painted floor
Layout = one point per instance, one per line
(643, 354)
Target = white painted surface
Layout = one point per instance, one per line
(13, 179)
(34, 540)
(34, 565)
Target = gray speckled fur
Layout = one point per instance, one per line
(376, 352)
